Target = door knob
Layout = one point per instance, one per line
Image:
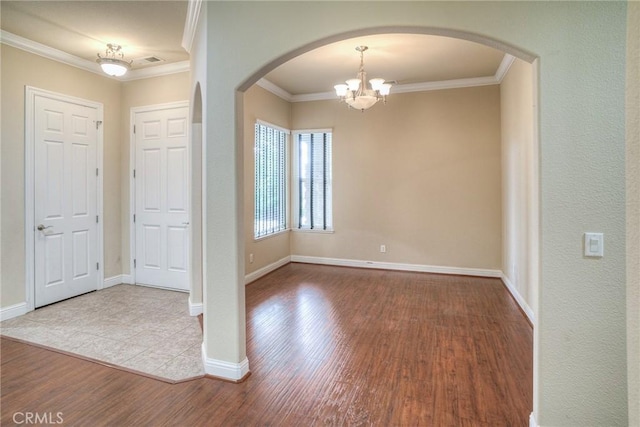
(42, 227)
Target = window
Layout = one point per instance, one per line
(271, 180)
(312, 202)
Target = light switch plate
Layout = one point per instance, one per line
(593, 244)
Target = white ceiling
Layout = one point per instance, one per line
(83, 28)
(404, 58)
(155, 28)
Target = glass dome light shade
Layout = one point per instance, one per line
(376, 84)
(114, 67)
(353, 84)
(341, 89)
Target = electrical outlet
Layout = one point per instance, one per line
(383, 248)
(250, 258)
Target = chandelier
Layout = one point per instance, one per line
(113, 62)
(355, 92)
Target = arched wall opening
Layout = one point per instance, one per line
(196, 252)
(582, 160)
(528, 208)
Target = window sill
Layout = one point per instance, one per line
(257, 239)
(306, 230)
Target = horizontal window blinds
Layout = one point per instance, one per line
(270, 180)
(314, 181)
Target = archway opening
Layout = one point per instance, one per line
(197, 280)
(520, 262)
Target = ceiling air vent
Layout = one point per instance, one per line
(152, 59)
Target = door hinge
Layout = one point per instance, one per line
(96, 219)
(98, 123)
(134, 173)
(134, 217)
(134, 128)
(96, 171)
(97, 266)
(134, 263)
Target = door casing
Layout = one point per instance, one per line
(29, 176)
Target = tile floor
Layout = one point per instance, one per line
(139, 328)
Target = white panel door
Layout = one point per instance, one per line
(162, 198)
(65, 209)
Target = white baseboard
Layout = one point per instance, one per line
(519, 299)
(112, 281)
(397, 266)
(266, 270)
(195, 308)
(117, 280)
(532, 421)
(12, 311)
(222, 369)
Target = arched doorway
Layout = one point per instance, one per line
(529, 180)
(196, 267)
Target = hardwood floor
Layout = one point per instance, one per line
(327, 346)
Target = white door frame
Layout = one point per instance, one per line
(29, 185)
(132, 182)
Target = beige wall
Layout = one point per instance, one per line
(518, 158)
(260, 104)
(420, 175)
(633, 210)
(20, 69)
(138, 93)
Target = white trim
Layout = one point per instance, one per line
(313, 231)
(223, 369)
(112, 281)
(191, 24)
(29, 183)
(164, 288)
(93, 67)
(502, 70)
(413, 87)
(119, 279)
(397, 266)
(271, 125)
(519, 299)
(507, 60)
(132, 183)
(12, 311)
(320, 96)
(274, 89)
(532, 421)
(195, 308)
(157, 70)
(266, 270)
(48, 52)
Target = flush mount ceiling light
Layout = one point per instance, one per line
(113, 62)
(356, 93)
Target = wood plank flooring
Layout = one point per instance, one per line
(326, 346)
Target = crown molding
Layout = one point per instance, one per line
(40, 49)
(157, 70)
(445, 84)
(507, 61)
(191, 24)
(502, 70)
(276, 90)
